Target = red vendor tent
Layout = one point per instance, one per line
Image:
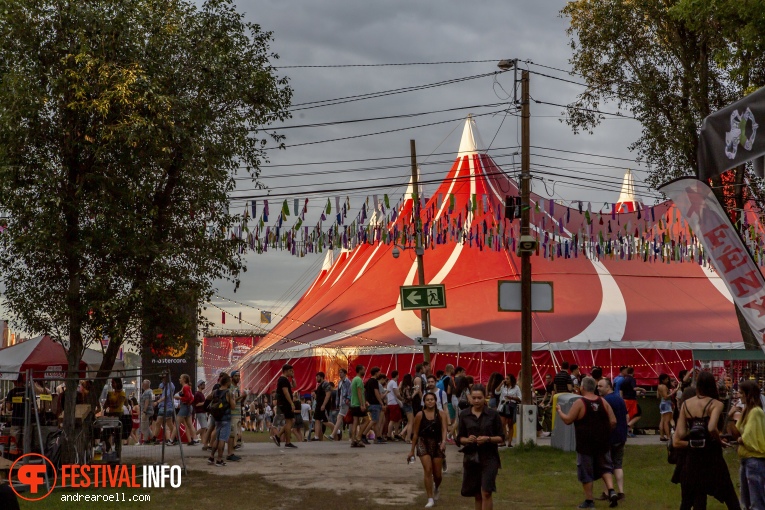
(41, 354)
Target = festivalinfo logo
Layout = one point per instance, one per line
(101, 476)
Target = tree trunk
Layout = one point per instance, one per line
(69, 447)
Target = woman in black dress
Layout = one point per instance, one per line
(701, 468)
(429, 438)
(480, 433)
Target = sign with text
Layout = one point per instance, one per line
(417, 297)
(510, 296)
(730, 258)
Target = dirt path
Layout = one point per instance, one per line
(381, 470)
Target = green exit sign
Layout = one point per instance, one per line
(418, 297)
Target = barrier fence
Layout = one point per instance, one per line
(32, 412)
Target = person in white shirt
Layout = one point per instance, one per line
(509, 396)
(441, 398)
(393, 411)
(305, 414)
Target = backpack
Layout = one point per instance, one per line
(464, 402)
(219, 405)
(698, 434)
(441, 385)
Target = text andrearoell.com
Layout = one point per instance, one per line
(76, 476)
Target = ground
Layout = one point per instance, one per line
(330, 475)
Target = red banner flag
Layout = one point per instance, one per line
(724, 247)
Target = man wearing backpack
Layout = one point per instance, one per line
(220, 410)
(235, 441)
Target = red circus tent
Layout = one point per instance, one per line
(616, 303)
(44, 356)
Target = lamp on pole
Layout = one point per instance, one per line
(526, 331)
(418, 248)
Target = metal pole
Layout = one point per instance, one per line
(418, 246)
(526, 376)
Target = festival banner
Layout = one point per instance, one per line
(724, 248)
(219, 353)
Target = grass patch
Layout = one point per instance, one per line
(540, 478)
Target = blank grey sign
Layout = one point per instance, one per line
(510, 296)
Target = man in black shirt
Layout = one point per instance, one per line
(286, 405)
(374, 403)
(593, 420)
(562, 381)
(323, 395)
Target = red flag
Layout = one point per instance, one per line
(724, 247)
(223, 317)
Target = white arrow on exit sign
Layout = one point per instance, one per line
(414, 297)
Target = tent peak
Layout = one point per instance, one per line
(471, 142)
(627, 200)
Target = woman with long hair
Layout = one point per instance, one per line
(463, 392)
(430, 427)
(480, 433)
(406, 390)
(750, 432)
(702, 468)
(185, 417)
(665, 393)
(508, 396)
(495, 379)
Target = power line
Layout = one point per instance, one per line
(371, 95)
(380, 132)
(401, 116)
(338, 66)
(362, 169)
(585, 109)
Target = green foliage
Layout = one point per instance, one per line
(670, 63)
(122, 124)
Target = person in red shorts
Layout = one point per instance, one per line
(630, 390)
(393, 411)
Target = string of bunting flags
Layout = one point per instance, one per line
(561, 231)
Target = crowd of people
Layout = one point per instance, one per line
(700, 416)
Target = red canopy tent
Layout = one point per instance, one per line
(45, 357)
(618, 301)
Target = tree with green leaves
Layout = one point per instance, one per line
(122, 126)
(670, 63)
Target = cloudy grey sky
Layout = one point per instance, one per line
(334, 32)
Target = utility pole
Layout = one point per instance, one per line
(418, 246)
(526, 377)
